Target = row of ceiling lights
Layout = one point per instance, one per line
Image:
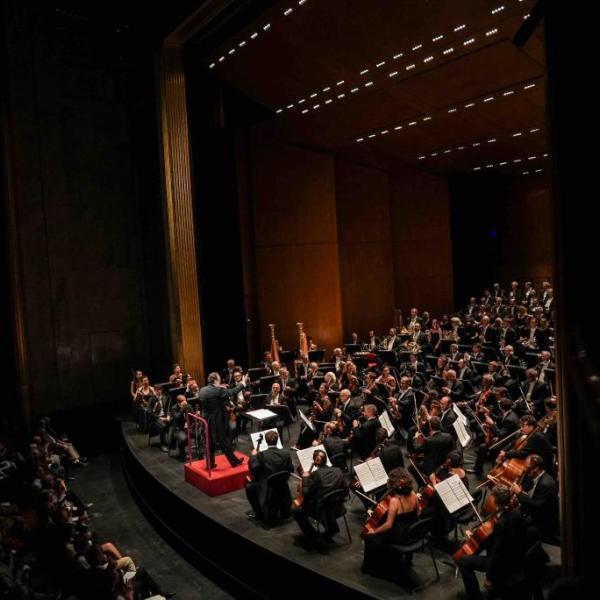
(507, 93)
(514, 161)
(253, 36)
(446, 151)
(409, 67)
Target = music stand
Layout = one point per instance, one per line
(532, 359)
(327, 366)
(431, 361)
(352, 348)
(388, 357)
(284, 416)
(256, 373)
(490, 352)
(316, 355)
(517, 373)
(480, 367)
(439, 381)
(175, 391)
(266, 383)
(287, 356)
(258, 401)
(317, 380)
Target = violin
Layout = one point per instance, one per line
(250, 475)
(299, 499)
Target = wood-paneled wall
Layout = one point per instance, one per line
(339, 245)
(296, 243)
(365, 248)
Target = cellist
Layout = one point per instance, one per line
(505, 551)
(403, 511)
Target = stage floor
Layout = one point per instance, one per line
(344, 560)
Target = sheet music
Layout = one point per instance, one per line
(386, 423)
(453, 493)
(371, 474)
(461, 431)
(305, 457)
(261, 414)
(263, 445)
(308, 423)
(460, 414)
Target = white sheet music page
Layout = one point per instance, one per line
(261, 414)
(371, 474)
(461, 431)
(263, 444)
(453, 493)
(460, 414)
(386, 423)
(305, 457)
(306, 421)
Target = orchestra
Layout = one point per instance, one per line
(470, 392)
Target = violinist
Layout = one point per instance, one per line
(348, 408)
(363, 438)
(322, 407)
(227, 372)
(496, 428)
(177, 376)
(267, 504)
(335, 445)
(550, 421)
(372, 341)
(534, 393)
(289, 387)
(447, 416)
(338, 360)
(538, 497)
(453, 388)
(434, 448)
(318, 481)
(387, 381)
(405, 403)
(532, 441)
(505, 551)
(434, 507)
(403, 511)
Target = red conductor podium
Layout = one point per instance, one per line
(220, 480)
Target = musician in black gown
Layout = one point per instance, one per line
(403, 511)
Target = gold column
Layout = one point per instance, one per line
(184, 304)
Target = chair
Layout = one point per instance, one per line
(418, 537)
(332, 505)
(278, 495)
(339, 460)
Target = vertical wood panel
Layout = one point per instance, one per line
(181, 247)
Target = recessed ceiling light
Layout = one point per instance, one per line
(510, 92)
(398, 127)
(380, 64)
(461, 147)
(385, 131)
(359, 139)
(287, 12)
(477, 169)
(364, 71)
(328, 101)
(290, 106)
(475, 144)
(372, 135)
(254, 35)
(428, 59)
(459, 28)
(393, 74)
(488, 166)
(491, 141)
(279, 110)
(421, 157)
(212, 65)
(452, 110)
(221, 58)
(316, 106)
(539, 170)
(427, 118)
(397, 56)
(341, 95)
(231, 51)
(242, 44)
(341, 82)
(447, 151)
(434, 154)
(448, 51)
(503, 163)
(305, 111)
(531, 157)
(301, 2)
(437, 38)
(470, 105)
(469, 41)
(528, 87)
(517, 160)
(301, 101)
(489, 99)
(497, 10)
(417, 47)
(409, 67)
(368, 84)
(535, 130)
(314, 94)
(354, 90)
(412, 123)
(517, 134)
(326, 89)
(491, 32)
(267, 26)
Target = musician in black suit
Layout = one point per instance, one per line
(392, 341)
(506, 550)
(335, 445)
(418, 336)
(372, 341)
(534, 393)
(537, 443)
(545, 363)
(227, 372)
(318, 481)
(448, 416)
(500, 427)
(515, 293)
(268, 501)
(289, 389)
(434, 448)
(363, 439)
(406, 403)
(214, 399)
(507, 333)
(538, 497)
(463, 371)
(453, 387)
(487, 334)
(177, 434)
(533, 337)
(348, 407)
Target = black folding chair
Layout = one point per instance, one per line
(332, 505)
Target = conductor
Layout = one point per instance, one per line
(213, 399)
